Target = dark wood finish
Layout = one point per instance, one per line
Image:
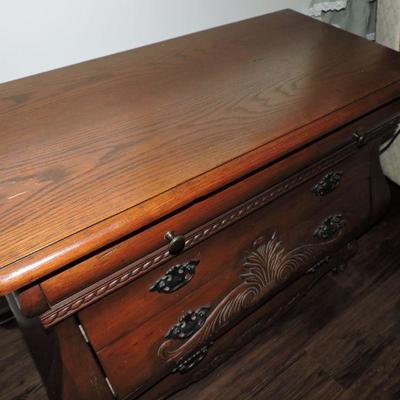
(32, 301)
(280, 363)
(109, 146)
(205, 149)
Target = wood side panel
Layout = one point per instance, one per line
(64, 360)
(118, 149)
(32, 301)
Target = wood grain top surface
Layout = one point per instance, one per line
(84, 143)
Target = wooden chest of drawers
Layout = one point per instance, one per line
(161, 206)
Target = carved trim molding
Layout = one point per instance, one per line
(82, 299)
(267, 267)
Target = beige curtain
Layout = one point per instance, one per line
(388, 28)
(356, 16)
(364, 18)
(388, 34)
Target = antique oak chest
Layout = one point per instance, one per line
(162, 205)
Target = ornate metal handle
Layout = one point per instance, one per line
(330, 227)
(327, 184)
(189, 324)
(176, 277)
(190, 362)
(176, 242)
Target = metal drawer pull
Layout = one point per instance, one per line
(189, 324)
(187, 364)
(327, 184)
(359, 139)
(176, 242)
(176, 277)
(330, 227)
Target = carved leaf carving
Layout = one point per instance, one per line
(266, 267)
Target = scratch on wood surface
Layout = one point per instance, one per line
(16, 195)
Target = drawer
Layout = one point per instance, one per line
(142, 332)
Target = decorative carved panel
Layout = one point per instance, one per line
(266, 267)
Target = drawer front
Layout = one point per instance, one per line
(141, 333)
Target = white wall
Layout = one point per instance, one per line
(40, 35)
